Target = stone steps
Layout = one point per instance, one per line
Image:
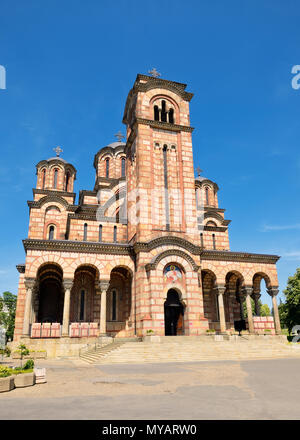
(190, 352)
(183, 349)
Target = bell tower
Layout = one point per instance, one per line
(160, 170)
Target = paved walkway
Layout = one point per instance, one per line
(256, 389)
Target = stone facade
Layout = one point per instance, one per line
(148, 247)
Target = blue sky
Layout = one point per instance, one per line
(70, 65)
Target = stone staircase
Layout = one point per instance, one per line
(191, 349)
(97, 352)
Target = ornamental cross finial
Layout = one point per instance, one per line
(119, 136)
(58, 150)
(199, 171)
(154, 72)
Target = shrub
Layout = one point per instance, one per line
(5, 371)
(18, 370)
(29, 365)
(24, 351)
(210, 330)
(149, 332)
(5, 351)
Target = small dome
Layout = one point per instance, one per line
(57, 158)
(116, 144)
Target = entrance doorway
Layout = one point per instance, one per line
(174, 312)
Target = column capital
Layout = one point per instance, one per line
(256, 295)
(103, 284)
(219, 289)
(67, 283)
(29, 283)
(273, 291)
(247, 290)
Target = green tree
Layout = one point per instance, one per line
(8, 303)
(291, 307)
(264, 308)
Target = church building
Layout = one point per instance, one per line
(146, 251)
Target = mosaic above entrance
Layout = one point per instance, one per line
(172, 273)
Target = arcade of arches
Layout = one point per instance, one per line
(111, 302)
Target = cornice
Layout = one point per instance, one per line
(20, 268)
(167, 240)
(238, 256)
(77, 246)
(158, 83)
(164, 125)
(56, 198)
(126, 249)
(54, 193)
(213, 228)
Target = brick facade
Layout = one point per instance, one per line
(149, 233)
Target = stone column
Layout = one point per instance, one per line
(29, 284)
(256, 296)
(103, 287)
(240, 300)
(273, 291)
(220, 290)
(66, 314)
(248, 292)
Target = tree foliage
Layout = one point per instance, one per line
(264, 308)
(289, 311)
(8, 303)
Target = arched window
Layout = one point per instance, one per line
(214, 241)
(123, 164)
(81, 305)
(43, 178)
(55, 178)
(100, 232)
(115, 233)
(51, 232)
(85, 232)
(114, 305)
(107, 168)
(171, 116)
(156, 113)
(163, 111)
(67, 181)
(207, 195)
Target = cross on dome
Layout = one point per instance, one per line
(154, 72)
(119, 136)
(199, 171)
(58, 151)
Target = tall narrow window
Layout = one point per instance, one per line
(167, 207)
(67, 181)
(100, 232)
(163, 111)
(123, 163)
(43, 178)
(206, 196)
(81, 306)
(55, 178)
(85, 232)
(201, 239)
(171, 116)
(115, 233)
(214, 241)
(107, 168)
(114, 306)
(51, 232)
(156, 113)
